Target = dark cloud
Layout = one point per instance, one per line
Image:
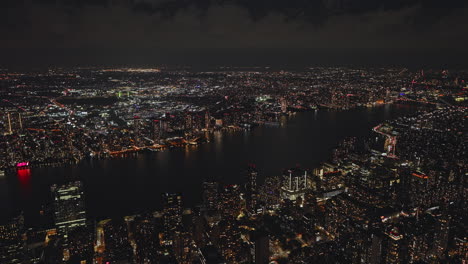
(224, 31)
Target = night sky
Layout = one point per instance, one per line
(234, 32)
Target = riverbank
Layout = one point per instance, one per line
(122, 186)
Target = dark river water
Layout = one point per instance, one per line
(123, 186)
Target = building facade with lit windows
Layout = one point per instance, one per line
(69, 207)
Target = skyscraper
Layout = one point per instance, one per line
(284, 105)
(210, 195)
(230, 201)
(188, 121)
(69, 207)
(156, 131)
(251, 189)
(295, 183)
(172, 203)
(207, 120)
(113, 243)
(394, 246)
(13, 122)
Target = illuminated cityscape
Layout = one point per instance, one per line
(233, 132)
(396, 196)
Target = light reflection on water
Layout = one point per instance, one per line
(122, 186)
(24, 178)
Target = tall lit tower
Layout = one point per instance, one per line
(210, 195)
(387, 95)
(69, 207)
(14, 122)
(9, 123)
(207, 120)
(156, 131)
(394, 246)
(390, 145)
(188, 121)
(20, 121)
(251, 184)
(136, 128)
(334, 98)
(284, 105)
(295, 184)
(172, 213)
(251, 189)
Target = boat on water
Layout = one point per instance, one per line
(2, 173)
(22, 164)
